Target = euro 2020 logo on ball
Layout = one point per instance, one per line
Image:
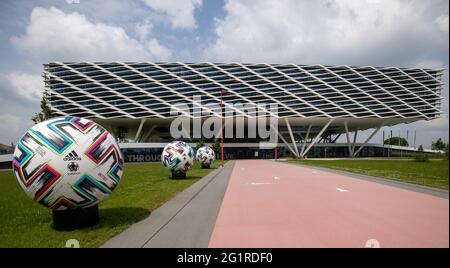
(67, 162)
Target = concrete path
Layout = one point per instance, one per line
(186, 221)
(272, 204)
(264, 203)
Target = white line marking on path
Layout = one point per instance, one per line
(372, 243)
(276, 178)
(341, 190)
(260, 183)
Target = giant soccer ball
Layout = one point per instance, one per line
(205, 155)
(177, 157)
(67, 162)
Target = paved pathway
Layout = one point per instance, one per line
(272, 204)
(263, 203)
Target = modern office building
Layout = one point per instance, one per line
(316, 103)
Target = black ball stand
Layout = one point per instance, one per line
(205, 166)
(72, 219)
(178, 175)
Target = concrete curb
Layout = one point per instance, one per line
(187, 220)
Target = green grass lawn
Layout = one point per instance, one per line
(433, 173)
(144, 187)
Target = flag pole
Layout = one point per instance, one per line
(221, 127)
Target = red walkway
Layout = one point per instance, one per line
(269, 204)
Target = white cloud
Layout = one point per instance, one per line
(442, 22)
(156, 49)
(20, 95)
(28, 86)
(72, 37)
(179, 12)
(333, 32)
(10, 124)
(143, 29)
(432, 64)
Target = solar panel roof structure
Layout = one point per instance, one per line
(146, 90)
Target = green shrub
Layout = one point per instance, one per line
(446, 151)
(216, 146)
(200, 143)
(420, 156)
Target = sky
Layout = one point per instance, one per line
(398, 33)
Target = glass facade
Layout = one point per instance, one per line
(154, 154)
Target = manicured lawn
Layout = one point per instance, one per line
(433, 173)
(144, 187)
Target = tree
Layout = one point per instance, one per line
(216, 146)
(200, 143)
(438, 145)
(399, 141)
(45, 113)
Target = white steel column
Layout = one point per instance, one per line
(147, 135)
(284, 141)
(292, 136)
(354, 141)
(305, 140)
(350, 151)
(351, 146)
(368, 139)
(138, 133)
(316, 138)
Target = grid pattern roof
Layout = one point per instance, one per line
(148, 90)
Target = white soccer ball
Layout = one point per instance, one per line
(177, 156)
(67, 162)
(205, 155)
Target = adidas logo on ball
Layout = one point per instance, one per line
(72, 156)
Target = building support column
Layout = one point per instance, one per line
(300, 141)
(354, 141)
(351, 145)
(305, 140)
(138, 132)
(316, 138)
(368, 139)
(348, 139)
(147, 135)
(284, 141)
(292, 136)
